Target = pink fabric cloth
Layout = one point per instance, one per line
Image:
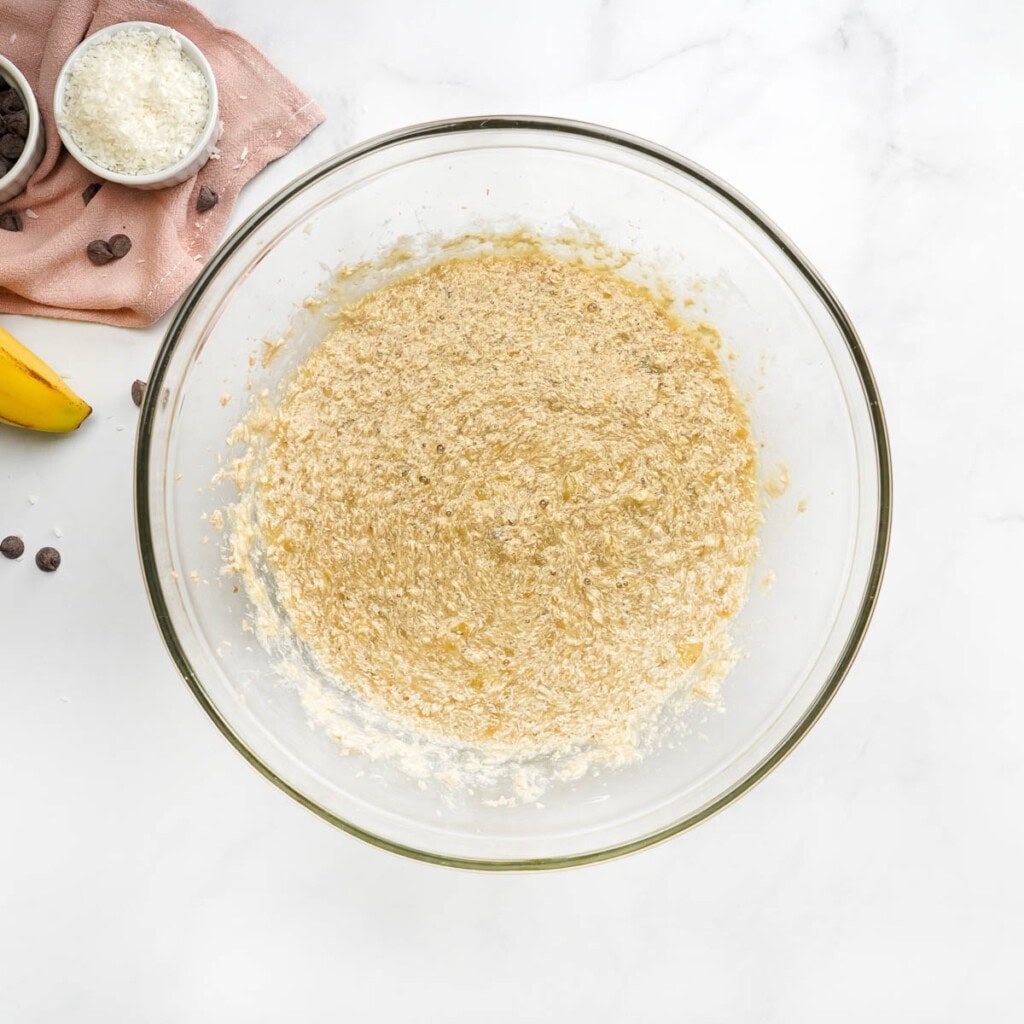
(43, 268)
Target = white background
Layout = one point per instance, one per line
(148, 874)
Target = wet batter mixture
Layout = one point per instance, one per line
(510, 500)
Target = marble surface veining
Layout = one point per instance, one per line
(148, 874)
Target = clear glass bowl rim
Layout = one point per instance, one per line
(453, 127)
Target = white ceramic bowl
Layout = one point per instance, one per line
(14, 181)
(176, 173)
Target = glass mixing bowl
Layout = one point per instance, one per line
(792, 353)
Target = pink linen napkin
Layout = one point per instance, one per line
(43, 268)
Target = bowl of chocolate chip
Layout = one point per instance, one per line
(21, 131)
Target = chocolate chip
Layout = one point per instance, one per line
(48, 559)
(207, 200)
(99, 252)
(11, 146)
(90, 190)
(120, 245)
(12, 547)
(10, 221)
(138, 391)
(10, 101)
(17, 123)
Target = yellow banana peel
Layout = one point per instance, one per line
(32, 395)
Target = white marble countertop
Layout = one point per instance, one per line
(147, 873)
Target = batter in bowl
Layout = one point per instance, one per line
(511, 501)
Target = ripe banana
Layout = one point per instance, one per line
(32, 395)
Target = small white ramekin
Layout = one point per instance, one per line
(14, 181)
(185, 168)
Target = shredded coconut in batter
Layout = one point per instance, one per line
(510, 502)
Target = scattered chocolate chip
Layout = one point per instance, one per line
(12, 547)
(120, 245)
(99, 252)
(90, 190)
(17, 123)
(10, 101)
(207, 200)
(11, 145)
(48, 559)
(138, 391)
(10, 221)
